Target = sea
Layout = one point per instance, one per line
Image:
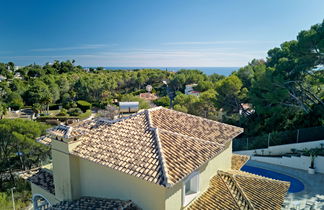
(207, 70)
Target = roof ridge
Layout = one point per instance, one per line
(103, 119)
(202, 118)
(150, 121)
(161, 157)
(159, 148)
(68, 132)
(230, 192)
(245, 200)
(191, 137)
(248, 175)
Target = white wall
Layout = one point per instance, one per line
(302, 162)
(282, 149)
(101, 181)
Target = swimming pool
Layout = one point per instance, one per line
(295, 184)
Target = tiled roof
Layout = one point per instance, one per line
(194, 126)
(148, 96)
(86, 203)
(41, 177)
(184, 154)
(238, 161)
(70, 132)
(44, 140)
(241, 190)
(150, 144)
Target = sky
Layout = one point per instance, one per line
(146, 33)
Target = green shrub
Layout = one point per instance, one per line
(75, 111)
(54, 106)
(163, 101)
(70, 104)
(63, 112)
(85, 115)
(84, 105)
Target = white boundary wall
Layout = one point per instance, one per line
(302, 162)
(282, 149)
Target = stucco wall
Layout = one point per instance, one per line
(101, 181)
(40, 191)
(222, 161)
(282, 149)
(65, 172)
(302, 162)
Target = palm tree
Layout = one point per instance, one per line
(46, 101)
(37, 108)
(2, 110)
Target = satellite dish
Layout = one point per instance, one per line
(149, 88)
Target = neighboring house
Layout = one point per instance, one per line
(246, 109)
(189, 90)
(148, 96)
(18, 75)
(2, 78)
(157, 159)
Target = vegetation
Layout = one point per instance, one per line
(84, 105)
(283, 92)
(19, 151)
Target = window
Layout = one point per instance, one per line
(190, 188)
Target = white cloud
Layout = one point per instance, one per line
(81, 47)
(218, 42)
(152, 57)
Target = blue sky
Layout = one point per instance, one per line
(143, 33)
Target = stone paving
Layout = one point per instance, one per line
(313, 194)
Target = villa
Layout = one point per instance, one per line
(157, 159)
(189, 90)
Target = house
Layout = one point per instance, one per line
(156, 159)
(2, 78)
(148, 96)
(189, 90)
(246, 109)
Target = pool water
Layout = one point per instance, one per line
(295, 184)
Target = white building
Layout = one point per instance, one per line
(189, 90)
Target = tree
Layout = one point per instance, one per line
(230, 94)
(205, 106)
(15, 101)
(163, 101)
(37, 92)
(2, 110)
(18, 149)
(37, 108)
(47, 100)
(142, 103)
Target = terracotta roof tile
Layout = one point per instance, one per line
(46, 140)
(148, 96)
(193, 126)
(86, 203)
(185, 154)
(217, 197)
(238, 161)
(41, 177)
(241, 190)
(127, 146)
(150, 144)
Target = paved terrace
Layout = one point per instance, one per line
(314, 185)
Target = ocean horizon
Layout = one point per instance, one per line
(207, 70)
